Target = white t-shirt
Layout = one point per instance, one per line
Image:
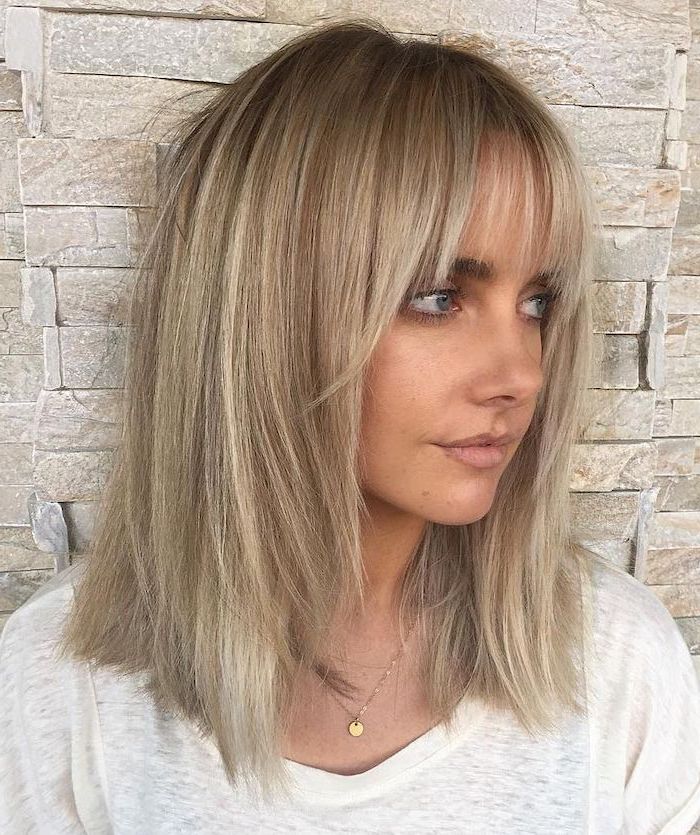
(83, 750)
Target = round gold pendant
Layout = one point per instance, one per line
(356, 727)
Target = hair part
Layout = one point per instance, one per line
(296, 209)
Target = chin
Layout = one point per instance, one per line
(465, 514)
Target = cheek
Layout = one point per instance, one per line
(401, 399)
(405, 401)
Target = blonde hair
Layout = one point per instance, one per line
(296, 211)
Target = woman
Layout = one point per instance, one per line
(312, 601)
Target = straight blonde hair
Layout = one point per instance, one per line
(296, 211)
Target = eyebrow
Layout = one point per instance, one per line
(474, 268)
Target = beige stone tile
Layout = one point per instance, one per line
(87, 172)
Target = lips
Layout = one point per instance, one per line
(478, 455)
(483, 439)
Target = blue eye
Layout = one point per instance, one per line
(446, 295)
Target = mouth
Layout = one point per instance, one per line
(482, 456)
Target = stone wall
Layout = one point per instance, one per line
(80, 82)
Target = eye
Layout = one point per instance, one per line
(444, 297)
(546, 298)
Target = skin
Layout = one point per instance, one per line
(477, 371)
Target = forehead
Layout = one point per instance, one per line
(507, 226)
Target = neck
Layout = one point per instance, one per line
(389, 540)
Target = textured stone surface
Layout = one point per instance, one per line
(619, 306)
(20, 376)
(684, 294)
(9, 283)
(10, 89)
(565, 69)
(80, 521)
(664, 21)
(87, 419)
(16, 463)
(674, 155)
(635, 196)
(93, 356)
(675, 529)
(633, 253)
(685, 417)
(682, 378)
(80, 236)
(610, 466)
(673, 124)
(693, 77)
(616, 362)
(682, 335)
(663, 410)
(605, 516)
(685, 255)
(619, 415)
(24, 39)
(12, 235)
(93, 295)
(645, 514)
(16, 422)
(85, 172)
(65, 476)
(690, 630)
(14, 499)
(12, 126)
(52, 359)
(190, 8)
(196, 49)
(678, 98)
(654, 334)
(692, 336)
(18, 586)
(113, 107)
(690, 123)
(18, 551)
(682, 601)
(38, 304)
(614, 135)
(667, 566)
(689, 208)
(679, 493)
(429, 17)
(16, 336)
(49, 529)
(676, 455)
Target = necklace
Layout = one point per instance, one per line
(356, 728)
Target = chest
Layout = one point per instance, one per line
(153, 774)
(318, 734)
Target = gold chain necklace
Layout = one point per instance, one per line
(355, 728)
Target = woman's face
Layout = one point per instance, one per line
(476, 370)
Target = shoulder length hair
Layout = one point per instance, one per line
(297, 209)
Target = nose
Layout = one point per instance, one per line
(510, 354)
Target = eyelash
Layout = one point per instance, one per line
(441, 318)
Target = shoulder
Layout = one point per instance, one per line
(629, 618)
(639, 650)
(29, 638)
(646, 701)
(40, 715)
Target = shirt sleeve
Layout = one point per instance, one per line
(35, 766)
(662, 793)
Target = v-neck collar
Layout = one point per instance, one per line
(317, 785)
